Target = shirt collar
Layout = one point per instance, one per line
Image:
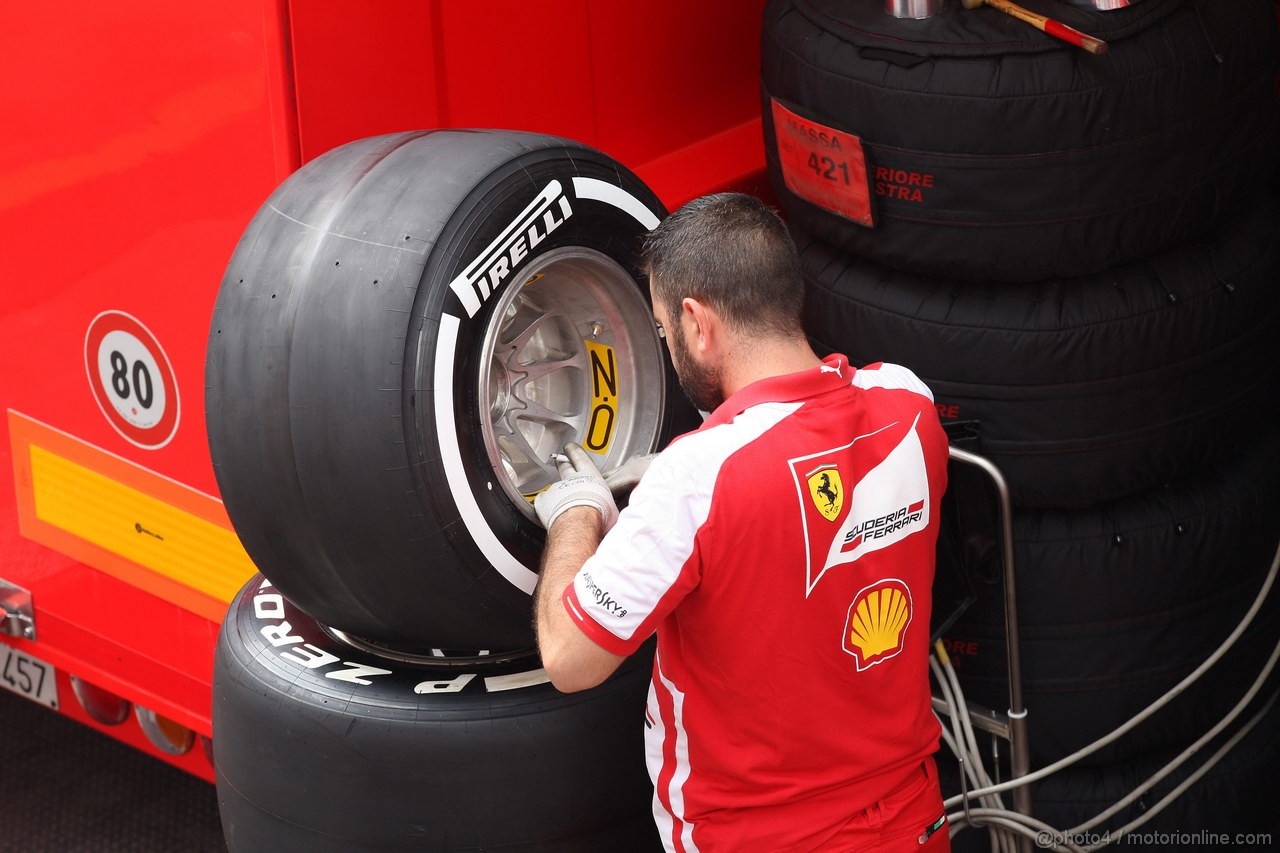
(834, 372)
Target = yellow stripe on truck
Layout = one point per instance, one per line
(138, 527)
(128, 521)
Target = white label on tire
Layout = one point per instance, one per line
(292, 647)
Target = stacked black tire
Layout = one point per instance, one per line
(406, 328)
(1080, 255)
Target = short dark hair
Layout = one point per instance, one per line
(733, 252)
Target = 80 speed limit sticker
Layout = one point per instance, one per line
(132, 379)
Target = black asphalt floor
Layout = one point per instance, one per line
(65, 788)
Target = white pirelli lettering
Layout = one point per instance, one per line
(483, 276)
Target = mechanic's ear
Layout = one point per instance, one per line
(704, 321)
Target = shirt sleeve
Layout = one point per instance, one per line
(649, 561)
(891, 376)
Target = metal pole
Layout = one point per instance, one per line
(1020, 751)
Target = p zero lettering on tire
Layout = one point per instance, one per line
(972, 146)
(409, 327)
(1084, 389)
(324, 746)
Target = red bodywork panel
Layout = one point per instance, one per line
(140, 138)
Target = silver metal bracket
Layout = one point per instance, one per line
(983, 719)
(17, 614)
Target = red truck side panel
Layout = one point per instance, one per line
(139, 138)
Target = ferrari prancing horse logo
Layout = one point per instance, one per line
(827, 491)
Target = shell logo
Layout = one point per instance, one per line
(876, 627)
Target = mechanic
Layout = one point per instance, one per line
(784, 554)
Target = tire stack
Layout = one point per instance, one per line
(408, 327)
(1080, 255)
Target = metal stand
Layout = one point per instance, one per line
(1012, 725)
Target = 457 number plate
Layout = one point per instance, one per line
(28, 676)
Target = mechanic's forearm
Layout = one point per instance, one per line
(570, 542)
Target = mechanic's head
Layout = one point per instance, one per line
(731, 255)
(731, 252)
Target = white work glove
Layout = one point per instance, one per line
(625, 477)
(580, 485)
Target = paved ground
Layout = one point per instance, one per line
(65, 788)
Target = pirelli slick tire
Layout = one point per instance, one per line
(972, 146)
(326, 747)
(408, 328)
(1086, 389)
(1231, 807)
(1118, 603)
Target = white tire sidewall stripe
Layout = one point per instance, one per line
(603, 191)
(502, 560)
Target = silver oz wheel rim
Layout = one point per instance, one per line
(571, 354)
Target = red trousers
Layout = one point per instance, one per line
(906, 819)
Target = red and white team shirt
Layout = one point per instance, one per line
(784, 552)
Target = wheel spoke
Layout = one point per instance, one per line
(537, 388)
(516, 444)
(528, 436)
(534, 371)
(534, 411)
(534, 334)
(528, 319)
(527, 475)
